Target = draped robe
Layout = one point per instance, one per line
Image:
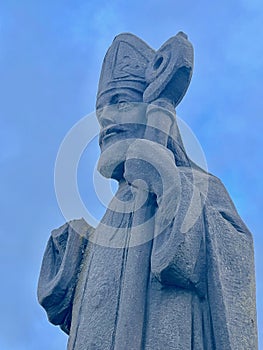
(192, 290)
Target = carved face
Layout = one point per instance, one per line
(122, 119)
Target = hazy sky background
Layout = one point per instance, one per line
(50, 60)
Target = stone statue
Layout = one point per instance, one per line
(170, 266)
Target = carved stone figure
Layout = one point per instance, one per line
(170, 266)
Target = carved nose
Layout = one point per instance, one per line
(106, 116)
(105, 121)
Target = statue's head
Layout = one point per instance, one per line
(120, 107)
(132, 76)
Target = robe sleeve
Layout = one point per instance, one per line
(178, 256)
(216, 258)
(59, 271)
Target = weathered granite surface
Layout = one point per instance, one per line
(171, 264)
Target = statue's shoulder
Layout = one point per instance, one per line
(212, 188)
(79, 226)
(202, 179)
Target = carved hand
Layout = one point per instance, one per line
(151, 167)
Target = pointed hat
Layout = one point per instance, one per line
(124, 65)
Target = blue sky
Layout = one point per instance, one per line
(50, 60)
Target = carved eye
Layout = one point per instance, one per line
(123, 105)
(121, 101)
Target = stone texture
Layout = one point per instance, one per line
(170, 266)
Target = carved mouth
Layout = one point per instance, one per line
(110, 131)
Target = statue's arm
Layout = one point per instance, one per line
(179, 254)
(214, 257)
(59, 271)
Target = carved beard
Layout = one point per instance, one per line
(114, 145)
(112, 159)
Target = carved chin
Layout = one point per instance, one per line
(111, 161)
